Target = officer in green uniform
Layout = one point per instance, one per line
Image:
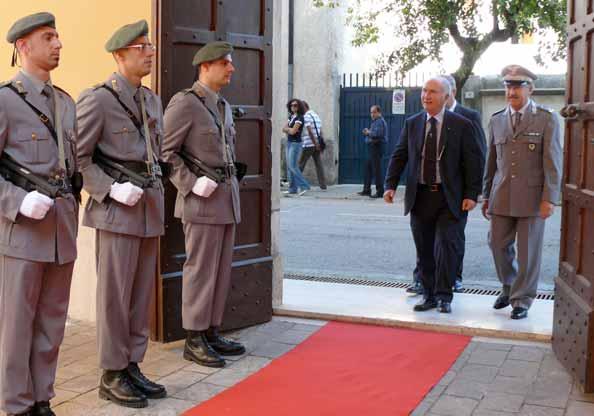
(120, 124)
(37, 231)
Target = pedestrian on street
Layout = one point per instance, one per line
(200, 145)
(312, 143)
(376, 137)
(522, 184)
(294, 128)
(121, 121)
(37, 232)
(443, 185)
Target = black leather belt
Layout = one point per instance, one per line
(436, 187)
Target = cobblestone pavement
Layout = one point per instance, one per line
(490, 378)
(495, 378)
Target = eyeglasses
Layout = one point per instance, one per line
(143, 47)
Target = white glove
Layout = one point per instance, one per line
(35, 205)
(204, 187)
(126, 193)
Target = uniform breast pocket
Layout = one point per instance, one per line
(532, 146)
(210, 139)
(499, 144)
(123, 139)
(35, 145)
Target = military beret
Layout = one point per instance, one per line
(212, 51)
(126, 34)
(517, 75)
(28, 24)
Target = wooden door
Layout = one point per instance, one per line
(182, 27)
(573, 329)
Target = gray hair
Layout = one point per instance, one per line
(451, 80)
(445, 84)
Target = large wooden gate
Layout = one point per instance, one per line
(182, 27)
(573, 330)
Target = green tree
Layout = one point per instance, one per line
(423, 27)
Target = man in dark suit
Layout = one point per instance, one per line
(445, 166)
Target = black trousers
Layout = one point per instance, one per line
(417, 271)
(438, 235)
(373, 168)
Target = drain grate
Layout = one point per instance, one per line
(395, 284)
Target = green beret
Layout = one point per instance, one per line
(28, 24)
(126, 34)
(212, 51)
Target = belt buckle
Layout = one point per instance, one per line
(434, 187)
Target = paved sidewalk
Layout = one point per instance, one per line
(491, 378)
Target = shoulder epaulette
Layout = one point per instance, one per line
(187, 90)
(5, 84)
(62, 90)
(498, 112)
(97, 86)
(541, 108)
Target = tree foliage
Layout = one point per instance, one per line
(423, 27)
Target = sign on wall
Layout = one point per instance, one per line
(398, 101)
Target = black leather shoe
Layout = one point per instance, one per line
(519, 313)
(416, 288)
(376, 195)
(117, 387)
(42, 409)
(147, 387)
(458, 286)
(222, 345)
(445, 307)
(27, 413)
(364, 193)
(425, 305)
(501, 302)
(199, 351)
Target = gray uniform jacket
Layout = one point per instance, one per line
(190, 125)
(26, 139)
(524, 168)
(103, 124)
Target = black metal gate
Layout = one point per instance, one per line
(355, 101)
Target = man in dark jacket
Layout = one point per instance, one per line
(376, 136)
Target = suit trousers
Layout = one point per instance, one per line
(33, 309)
(126, 270)
(373, 168)
(314, 153)
(206, 274)
(518, 277)
(438, 235)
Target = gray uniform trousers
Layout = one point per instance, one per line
(519, 284)
(33, 308)
(126, 266)
(206, 274)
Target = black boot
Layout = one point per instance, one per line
(42, 409)
(147, 387)
(222, 345)
(198, 350)
(117, 387)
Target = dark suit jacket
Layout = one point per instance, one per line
(475, 118)
(461, 164)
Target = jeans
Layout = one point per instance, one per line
(296, 179)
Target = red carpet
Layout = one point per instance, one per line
(344, 369)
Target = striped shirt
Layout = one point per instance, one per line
(310, 117)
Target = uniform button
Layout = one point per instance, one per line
(33, 136)
(57, 177)
(513, 163)
(513, 152)
(513, 176)
(125, 130)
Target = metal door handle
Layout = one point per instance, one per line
(239, 112)
(571, 111)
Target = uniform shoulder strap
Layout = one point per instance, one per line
(498, 112)
(62, 90)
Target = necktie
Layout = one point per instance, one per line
(48, 93)
(517, 118)
(429, 161)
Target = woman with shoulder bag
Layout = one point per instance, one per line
(293, 128)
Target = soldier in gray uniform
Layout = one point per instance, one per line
(120, 129)
(200, 145)
(38, 218)
(521, 187)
